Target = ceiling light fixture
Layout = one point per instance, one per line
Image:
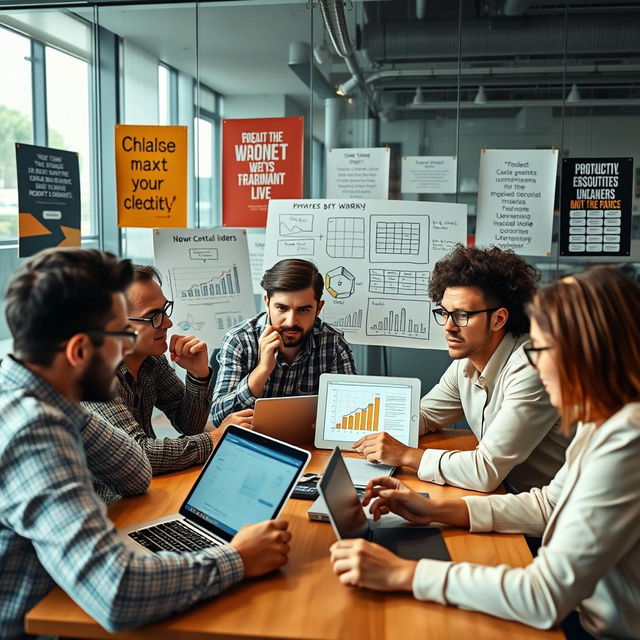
(345, 88)
(418, 98)
(574, 94)
(481, 96)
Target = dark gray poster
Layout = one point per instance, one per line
(595, 207)
(48, 198)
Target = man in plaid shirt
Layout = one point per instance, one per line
(146, 380)
(284, 351)
(67, 315)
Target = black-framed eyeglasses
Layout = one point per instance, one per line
(122, 335)
(532, 354)
(459, 317)
(157, 318)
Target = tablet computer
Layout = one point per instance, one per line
(352, 406)
(292, 418)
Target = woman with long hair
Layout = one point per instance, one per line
(585, 343)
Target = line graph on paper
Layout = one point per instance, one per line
(199, 283)
(291, 225)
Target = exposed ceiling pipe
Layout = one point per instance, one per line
(515, 7)
(588, 35)
(336, 25)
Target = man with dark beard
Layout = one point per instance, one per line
(67, 315)
(283, 351)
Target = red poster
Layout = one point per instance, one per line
(261, 160)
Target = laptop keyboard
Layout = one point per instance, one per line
(171, 536)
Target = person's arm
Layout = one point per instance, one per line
(166, 454)
(187, 404)
(50, 502)
(232, 391)
(115, 459)
(594, 530)
(523, 420)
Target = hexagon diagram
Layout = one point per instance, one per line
(340, 282)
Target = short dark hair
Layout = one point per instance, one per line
(505, 279)
(292, 275)
(58, 293)
(145, 273)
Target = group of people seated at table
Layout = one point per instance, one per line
(548, 380)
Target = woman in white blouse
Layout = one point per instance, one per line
(585, 332)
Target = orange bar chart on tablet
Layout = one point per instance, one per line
(362, 419)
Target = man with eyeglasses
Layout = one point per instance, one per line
(146, 380)
(67, 315)
(480, 296)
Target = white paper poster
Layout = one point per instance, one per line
(515, 199)
(206, 273)
(358, 173)
(376, 257)
(429, 174)
(255, 239)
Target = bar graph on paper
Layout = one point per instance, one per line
(204, 283)
(406, 318)
(346, 322)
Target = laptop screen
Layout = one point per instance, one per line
(343, 505)
(355, 408)
(247, 479)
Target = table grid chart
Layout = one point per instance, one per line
(401, 238)
(394, 281)
(594, 231)
(345, 237)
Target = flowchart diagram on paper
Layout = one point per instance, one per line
(376, 258)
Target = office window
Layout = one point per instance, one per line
(204, 170)
(164, 96)
(68, 110)
(16, 123)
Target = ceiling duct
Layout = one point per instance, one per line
(336, 25)
(389, 42)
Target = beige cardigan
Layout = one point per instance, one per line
(589, 516)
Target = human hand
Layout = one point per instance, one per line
(263, 546)
(191, 354)
(381, 447)
(269, 343)
(391, 495)
(242, 418)
(360, 563)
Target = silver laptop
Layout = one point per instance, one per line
(247, 478)
(349, 520)
(292, 419)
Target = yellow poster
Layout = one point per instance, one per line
(151, 175)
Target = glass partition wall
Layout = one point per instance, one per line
(423, 78)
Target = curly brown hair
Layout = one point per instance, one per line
(505, 279)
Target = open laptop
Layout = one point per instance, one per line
(349, 520)
(292, 419)
(247, 478)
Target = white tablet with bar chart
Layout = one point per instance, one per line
(351, 406)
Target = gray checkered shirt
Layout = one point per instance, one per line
(325, 351)
(53, 526)
(186, 405)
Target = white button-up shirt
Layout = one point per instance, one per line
(590, 554)
(508, 411)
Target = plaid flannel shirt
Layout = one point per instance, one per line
(53, 526)
(186, 405)
(325, 351)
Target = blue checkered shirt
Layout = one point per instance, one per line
(325, 351)
(53, 527)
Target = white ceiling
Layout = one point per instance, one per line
(240, 49)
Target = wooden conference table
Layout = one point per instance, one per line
(305, 599)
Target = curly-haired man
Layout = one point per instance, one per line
(481, 296)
